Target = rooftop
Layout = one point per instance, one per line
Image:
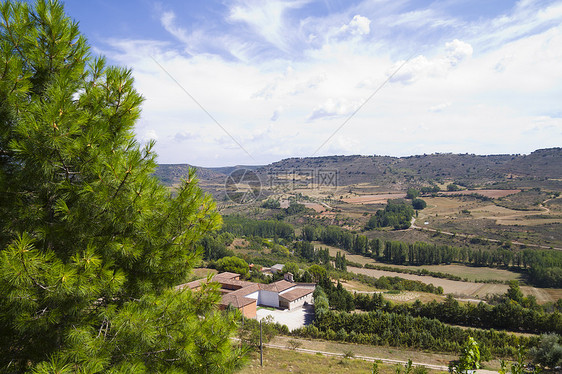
(295, 294)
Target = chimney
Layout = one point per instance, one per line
(288, 277)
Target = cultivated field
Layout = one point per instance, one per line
(465, 289)
(466, 215)
(492, 194)
(373, 199)
(465, 272)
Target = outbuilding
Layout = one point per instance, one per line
(295, 297)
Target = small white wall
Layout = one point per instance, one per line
(268, 298)
(300, 301)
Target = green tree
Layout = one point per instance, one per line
(271, 204)
(549, 351)
(317, 272)
(469, 359)
(293, 268)
(419, 204)
(514, 292)
(233, 264)
(412, 193)
(452, 187)
(91, 245)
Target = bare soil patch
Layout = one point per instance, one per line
(374, 199)
(492, 194)
(449, 286)
(318, 208)
(471, 289)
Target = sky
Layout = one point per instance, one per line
(249, 82)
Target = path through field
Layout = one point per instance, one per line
(515, 242)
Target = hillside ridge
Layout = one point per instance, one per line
(464, 169)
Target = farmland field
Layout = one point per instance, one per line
(468, 272)
(284, 361)
(373, 199)
(468, 289)
(492, 194)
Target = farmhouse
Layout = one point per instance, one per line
(246, 296)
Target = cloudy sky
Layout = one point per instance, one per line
(256, 81)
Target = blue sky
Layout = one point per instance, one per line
(296, 78)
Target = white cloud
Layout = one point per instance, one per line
(333, 108)
(148, 135)
(183, 136)
(277, 113)
(267, 18)
(359, 25)
(439, 107)
(168, 21)
(287, 105)
(421, 67)
(457, 51)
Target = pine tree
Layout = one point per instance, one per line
(91, 245)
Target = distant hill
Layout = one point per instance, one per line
(170, 174)
(395, 172)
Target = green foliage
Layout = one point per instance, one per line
(294, 344)
(412, 193)
(296, 208)
(340, 262)
(392, 329)
(293, 268)
(375, 369)
(452, 187)
(242, 226)
(397, 214)
(428, 190)
(233, 264)
(317, 273)
(507, 315)
(249, 332)
(214, 246)
(419, 204)
(514, 292)
(517, 367)
(548, 353)
(470, 357)
(91, 245)
(321, 304)
(280, 250)
(271, 204)
(305, 249)
(544, 267)
(421, 370)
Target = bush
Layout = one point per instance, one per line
(419, 204)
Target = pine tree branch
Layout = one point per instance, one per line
(30, 276)
(15, 44)
(127, 173)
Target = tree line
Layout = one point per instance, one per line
(542, 267)
(399, 325)
(399, 330)
(507, 315)
(242, 226)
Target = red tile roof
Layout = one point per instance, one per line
(297, 293)
(278, 286)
